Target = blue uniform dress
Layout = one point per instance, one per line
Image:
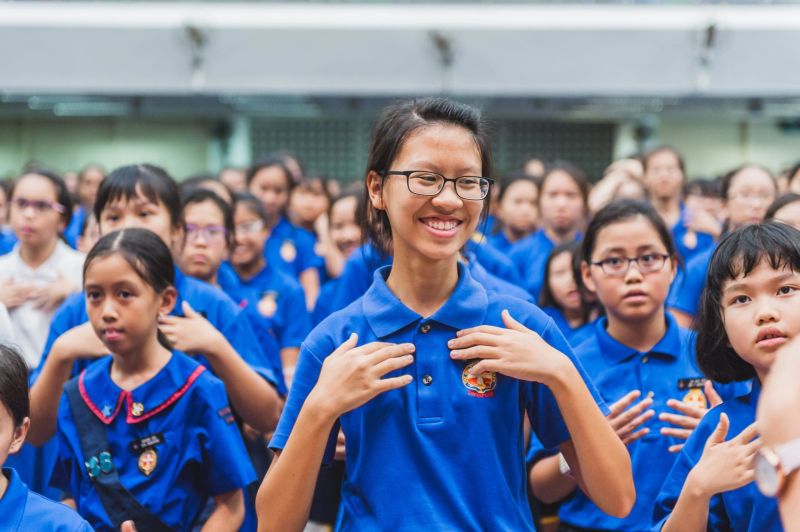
(668, 371)
(273, 295)
(573, 335)
(199, 454)
(689, 247)
(22, 510)
(218, 309)
(446, 451)
(744, 509)
(291, 248)
(685, 296)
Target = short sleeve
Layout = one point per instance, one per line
(545, 415)
(295, 317)
(688, 457)
(239, 333)
(66, 317)
(537, 451)
(307, 258)
(226, 465)
(305, 378)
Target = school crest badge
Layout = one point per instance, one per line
(481, 385)
(137, 409)
(148, 460)
(694, 392)
(268, 304)
(288, 251)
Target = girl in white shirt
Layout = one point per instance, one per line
(41, 270)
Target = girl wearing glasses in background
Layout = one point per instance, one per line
(427, 368)
(41, 270)
(639, 358)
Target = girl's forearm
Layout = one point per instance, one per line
(253, 398)
(45, 396)
(228, 514)
(547, 482)
(691, 511)
(603, 468)
(284, 498)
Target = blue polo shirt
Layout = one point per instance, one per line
(666, 371)
(493, 260)
(7, 241)
(501, 242)
(574, 335)
(21, 510)
(530, 257)
(199, 454)
(455, 444)
(360, 266)
(743, 509)
(689, 288)
(291, 248)
(683, 244)
(275, 296)
(324, 305)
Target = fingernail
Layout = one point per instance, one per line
(450, 343)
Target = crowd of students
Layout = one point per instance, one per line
(426, 348)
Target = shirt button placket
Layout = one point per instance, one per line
(428, 402)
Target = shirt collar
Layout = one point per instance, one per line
(466, 306)
(105, 399)
(12, 505)
(616, 352)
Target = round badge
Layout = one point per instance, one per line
(481, 385)
(268, 304)
(148, 461)
(288, 251)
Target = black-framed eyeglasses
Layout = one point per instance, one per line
(619, 266)
(425, 183)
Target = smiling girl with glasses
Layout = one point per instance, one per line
(428, 374)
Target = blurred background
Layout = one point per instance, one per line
(199, 86)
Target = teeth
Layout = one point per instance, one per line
(441, 225)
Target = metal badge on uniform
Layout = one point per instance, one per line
(268, 303)
(481, 385)
(288, 251)
(148, 460)
(148, 441)
(137, 409)
(694, 396)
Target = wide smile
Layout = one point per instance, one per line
(441, 227)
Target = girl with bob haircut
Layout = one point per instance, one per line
(426, 369)
(747, 313)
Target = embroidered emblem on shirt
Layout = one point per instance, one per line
(481, 385)
(137, 409)
(268, 304)
(288, 251)
(148, 460)
(695, 395)
(478, 237)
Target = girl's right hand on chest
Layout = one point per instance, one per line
(725, 465)
(626, 421)
(78, 343)
(352, 375)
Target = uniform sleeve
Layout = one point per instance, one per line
(239, 332)
(226, 465)
(537, 451)
(353, 283)
(272, 369)
(543, 411)
(66, 470)
(306, 256)
(688, 457)
(305, 378)
(295, 317)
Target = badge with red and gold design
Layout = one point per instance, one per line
(694, 395)
(148, 460)
(481, 385)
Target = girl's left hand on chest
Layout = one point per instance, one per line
(686, 423)
(514, 351)
(191, 334)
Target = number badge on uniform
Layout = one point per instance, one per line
(481, 385)
(288, 251)
(694, 396)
